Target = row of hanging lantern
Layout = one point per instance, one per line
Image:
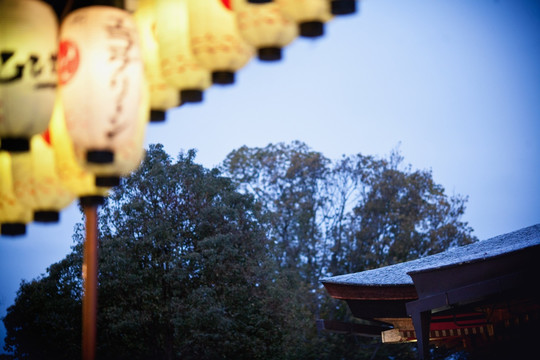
(75, 100)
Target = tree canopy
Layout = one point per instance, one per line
(199, 263)
(347, 215)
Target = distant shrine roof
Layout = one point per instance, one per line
(395, 275)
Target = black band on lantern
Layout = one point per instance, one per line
(343, 7)
(46, 216)
(269, 53)
(91, 200)
(312, 29)
(100, 156)
(13, 229)
(223, 77)
(15, 144)
(191, 96)
(107, 181)
(259, 1)
(157, 116)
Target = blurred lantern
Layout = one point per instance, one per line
(215, 40)
(78, 180)
(13, 214)
(28, 46)
(162, 95)
(50, 194)
(264, 27)
(178, 65)
(35, 182)
(309, 14)
(101, 77)
(343, 7)
(23, 182)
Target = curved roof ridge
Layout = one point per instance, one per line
(397, 274)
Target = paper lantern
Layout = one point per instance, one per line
(36, 184)
(264, 27)
(309, 14)
(178, 65)
(28, 46)
(23, 183)
(101, 77)
(343, 7)
(163, 96)
(77, 180)
(50, 194)
(215, 40)
(13, 214)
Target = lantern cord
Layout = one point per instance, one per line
(90, 282)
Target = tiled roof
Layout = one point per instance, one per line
(398, 274)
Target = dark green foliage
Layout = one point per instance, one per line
(45, 321)
(356, 213)
(192, 268)
(335, 217)
(185, 268)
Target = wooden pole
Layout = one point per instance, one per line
(90, 282)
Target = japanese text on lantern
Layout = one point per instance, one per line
(121, 44)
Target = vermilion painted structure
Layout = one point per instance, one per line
(483, 297)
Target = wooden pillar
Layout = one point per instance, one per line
(421, 322)
(90, 283)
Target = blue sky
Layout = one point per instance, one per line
(454, 83)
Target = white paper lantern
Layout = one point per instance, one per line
(28, 46)
(264, 27)
(309, 14)
(215, 40)
(163, 96)
(178, 65)
(101, 77)
(77, 180)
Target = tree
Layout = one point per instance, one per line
(185, 272)
(356, 213)
(185, 267)
(196, 265)
(348, 215)
(45, 321)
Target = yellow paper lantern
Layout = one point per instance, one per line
(178, 65)
(77, 180)
(215, 40)
(23, 182)
(309, 14)
(264, 27)
(28, 46)
(50, 194)
(13, 214)
(163, 96)
(35, 181)
(101, 77)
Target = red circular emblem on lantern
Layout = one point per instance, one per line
(68, 61)
(227, 4)
(47, 137)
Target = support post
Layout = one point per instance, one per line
(421, 321)
(90, 282)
